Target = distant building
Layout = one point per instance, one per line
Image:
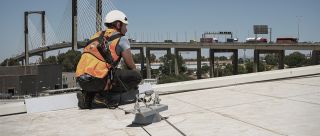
(29, 80)
(69, 80)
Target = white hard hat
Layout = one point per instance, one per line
(116, 15)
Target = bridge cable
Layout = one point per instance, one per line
(30, 34)
(50, 33)
(82, 20)
(112, 6)
(33, 37)
(62, 35)
(94, 13)
(90, 22)
(108, 6)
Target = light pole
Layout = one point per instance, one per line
(298, 19)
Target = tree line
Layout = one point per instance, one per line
(166, 71)
(68, 60)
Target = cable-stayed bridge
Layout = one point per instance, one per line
(82, 18)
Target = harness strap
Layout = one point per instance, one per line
(106, 54)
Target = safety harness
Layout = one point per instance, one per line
(97, 62)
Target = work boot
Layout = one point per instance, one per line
(109, 100)
(99, 101)
(84, 100)
(130, 96)
(113, 100)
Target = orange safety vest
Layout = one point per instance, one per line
(92, 62)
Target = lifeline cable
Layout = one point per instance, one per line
(165, 119)
(145, 130)
(162, 118)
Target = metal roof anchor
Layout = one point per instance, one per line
(149, 112)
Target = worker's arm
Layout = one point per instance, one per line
(127, 56)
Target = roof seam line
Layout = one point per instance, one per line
(304, 101)
(234, 118)
(228, 116)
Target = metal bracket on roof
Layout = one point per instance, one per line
(149, 112)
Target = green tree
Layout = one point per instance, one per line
(240, 61)
(167, 67)
(50, 60)
(205, 69)
(228, 70)
(136, 58)
(10, 62)
(223, 58)
(69, 60)
(204, 58)
(249, 66)
(241, 69)
(68, 66)
(295, 59)
(173, 78)
(262, 66)
(152, 58)
(271, 59)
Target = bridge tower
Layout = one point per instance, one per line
(74, 39)
(99, 15)
(26, 33)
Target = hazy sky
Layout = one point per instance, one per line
(177, 18)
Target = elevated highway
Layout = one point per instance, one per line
(184, 45)
(258, 48)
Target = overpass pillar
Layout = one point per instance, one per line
(176, 68)
(170, 59)
(74, 39)
(281, 59)
(199, 71)
(148, 63)
(142, 62)
(26, 42)
(315, 57)
(169, 52)
(22, 62)
(235, 62)
(43, 56)
(256, 60)
(211, 59)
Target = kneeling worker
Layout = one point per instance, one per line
(97, 72)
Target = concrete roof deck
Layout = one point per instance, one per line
(273, 108)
